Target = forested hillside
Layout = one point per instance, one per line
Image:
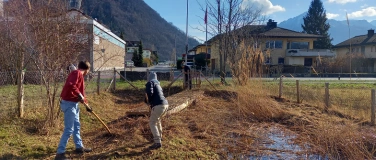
(139, 22)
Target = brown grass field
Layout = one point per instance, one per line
(231, 123)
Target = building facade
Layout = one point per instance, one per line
(363, 45)
(280, 46)
(105, 50)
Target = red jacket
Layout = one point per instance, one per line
(74, 85)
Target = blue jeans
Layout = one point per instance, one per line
(71, 125)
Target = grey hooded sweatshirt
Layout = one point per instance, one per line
(154, 91)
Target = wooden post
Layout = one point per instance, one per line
(280, 86)
(184, 80)
(373, 107)
(114, 82)
(171, 75)
(20, 94)
(297, 91)
(327, 100)
(147, 75)
(98, 82)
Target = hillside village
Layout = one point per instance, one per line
(285, 50)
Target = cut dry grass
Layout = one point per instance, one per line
(223, 124)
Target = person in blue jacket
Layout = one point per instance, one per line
(159, 105)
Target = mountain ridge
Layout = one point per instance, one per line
(339, 29)
(138, 21)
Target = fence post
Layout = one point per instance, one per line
(20, 94)
(171, 75)
(373, 107)
(98, 82)
(327, 100)
(297, 91)
(280, 86)
(147, 74)
(114, 85)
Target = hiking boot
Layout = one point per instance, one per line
(155, 146)
(82, 150)
(61, 156)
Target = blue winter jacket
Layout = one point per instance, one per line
(154, 91)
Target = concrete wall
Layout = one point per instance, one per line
(108, 50)
(294, 61)
(113, 55)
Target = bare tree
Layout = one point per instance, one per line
(227, 20)
(47, 38)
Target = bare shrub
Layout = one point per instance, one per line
(337, 141)
(341, 63)
(253, 103)
(245, 63)
(44, 37)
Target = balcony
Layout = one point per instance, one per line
(309, 53)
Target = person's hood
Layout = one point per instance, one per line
(153, 77)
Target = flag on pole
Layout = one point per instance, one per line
(347, 18)
(206, 16)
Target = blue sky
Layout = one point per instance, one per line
(174, 11)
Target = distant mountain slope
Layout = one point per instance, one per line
(139, 22)
(373, 22)
(339, 30)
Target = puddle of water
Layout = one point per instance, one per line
(280, 146)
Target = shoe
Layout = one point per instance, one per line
(82, 150)
(61, 156)
(155, 146)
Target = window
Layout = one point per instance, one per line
(273, 44)
(299, 45)
(281, 60)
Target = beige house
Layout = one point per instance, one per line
(105, 50)
(286, 47)
(364, 45)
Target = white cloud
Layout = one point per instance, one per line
(364, 6)
(365, 12)
(266, 6)
(341, 1)
(331, 15)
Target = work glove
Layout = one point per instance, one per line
(89, 109)
(81, 98)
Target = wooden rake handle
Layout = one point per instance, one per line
(104, 124)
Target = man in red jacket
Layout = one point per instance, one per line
(73, 93)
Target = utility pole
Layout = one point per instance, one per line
(186, 35)
(175, 59)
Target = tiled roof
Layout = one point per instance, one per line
(266, 31)
(358, 40)
(282, 32)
